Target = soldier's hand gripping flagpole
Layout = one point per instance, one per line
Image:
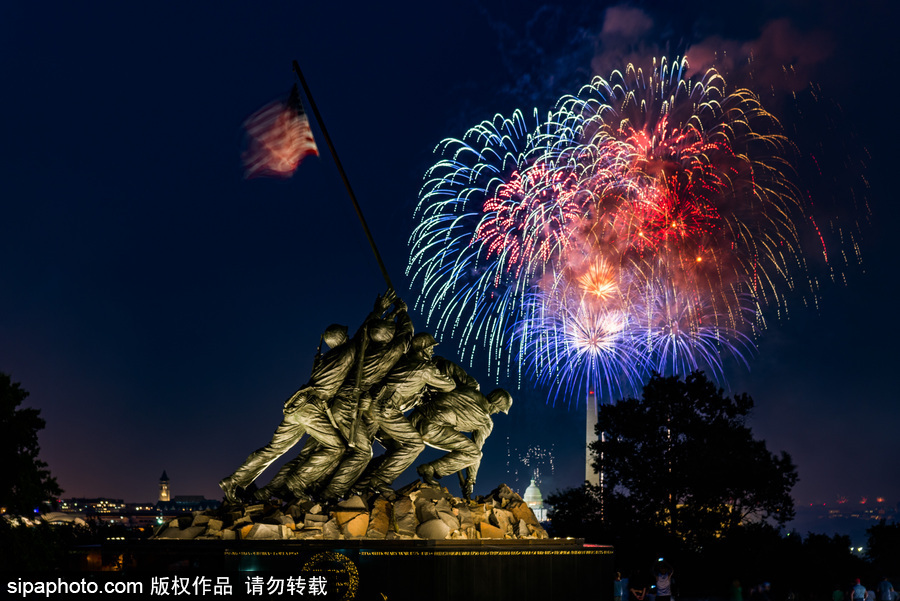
(351, 441)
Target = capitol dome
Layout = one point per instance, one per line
(533, 495)
(535, 501)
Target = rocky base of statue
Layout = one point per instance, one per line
(419, 511)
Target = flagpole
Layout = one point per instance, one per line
(337, 161)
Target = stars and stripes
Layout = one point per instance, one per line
(280, 138)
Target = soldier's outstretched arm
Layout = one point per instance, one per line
(399, 344)
(456, 372)
(399, 307)
(381, 305)
(404, 330)
(436, 380)
(382, 302)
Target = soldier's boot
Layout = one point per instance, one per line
(230, 489)
(426, 472)
(297, 487)
(299, 495)
(383, 489)
(263, 494)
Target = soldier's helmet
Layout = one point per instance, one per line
(500, 400)
(422, 341)
(381, 330)
(335, 335)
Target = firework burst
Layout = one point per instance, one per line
(644, 225)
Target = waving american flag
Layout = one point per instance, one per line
(280, 138)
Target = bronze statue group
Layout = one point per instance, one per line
(384, 384)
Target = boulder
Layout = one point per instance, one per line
(308, 534)
(502, 519)
(356, 527)
(354, 511)
(331, 531)
(419, 511)
(254, 509)
(465, 517)
(488, 531)
(479, 512)
(538, 531)
(288, 521)
(425, 510)
(410, 488)
(443, 504)
(451, 520)
(380, 519)
(522, 529)
(432, 494)
(296, 512)
(244, 521)
(521, 511)
(314, 521)
(172, 531)
(343, 516)
(405, 522)
(264, 532)
(504, 493)
(272, 518)
(355, 502)
(434, 529)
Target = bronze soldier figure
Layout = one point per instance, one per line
(303, 413)
(352, 404)
(307, 412)
(400, 392)
(442, 421)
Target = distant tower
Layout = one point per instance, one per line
(590, 436)
(164, 494)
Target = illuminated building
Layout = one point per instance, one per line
(170, 506)
(535, 501)
(164, 494)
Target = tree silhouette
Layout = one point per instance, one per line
(25, 481)
(884, 547)
(683, 458)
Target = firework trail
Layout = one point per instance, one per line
(645, 224)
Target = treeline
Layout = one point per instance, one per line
(684, 479)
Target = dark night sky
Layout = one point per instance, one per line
(159, 307)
